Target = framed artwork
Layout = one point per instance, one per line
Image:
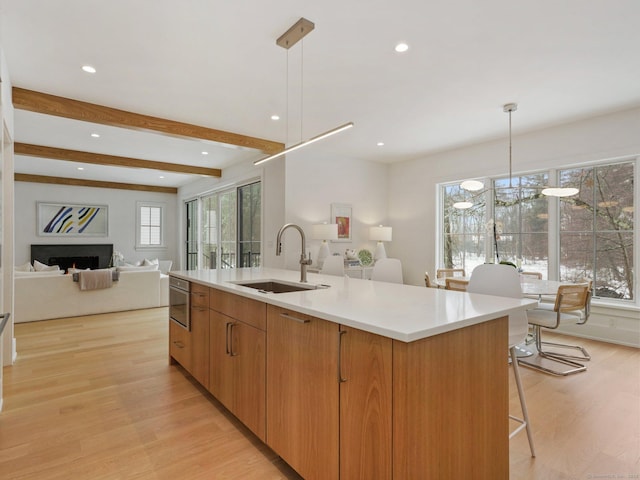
(341, 214)
(65, 220)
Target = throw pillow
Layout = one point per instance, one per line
(27, 267)
(41, 267)
(147, 263)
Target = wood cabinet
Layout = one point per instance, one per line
(302, 392)
(450, 404)
(336, 402)
(365, 405)
(237, 360)
(179, 345)
(199, 297)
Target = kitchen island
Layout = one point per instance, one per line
(355, 379)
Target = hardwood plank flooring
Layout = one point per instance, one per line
(95, 398)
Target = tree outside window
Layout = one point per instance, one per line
(596, 229)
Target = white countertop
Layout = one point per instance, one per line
(401, 312)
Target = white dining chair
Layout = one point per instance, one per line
(504, 281)
(387, 270)
(333, 265)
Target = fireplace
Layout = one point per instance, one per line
(69, 255)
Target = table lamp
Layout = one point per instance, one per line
(324, 231)
(380, 234)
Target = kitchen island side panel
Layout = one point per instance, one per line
(451, 404)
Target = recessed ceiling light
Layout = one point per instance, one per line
(205, 153)
(95, 135)
(275, 117)
(402, 47)
(88, 69)
(80, 168)
(161, 176)
(380, 144)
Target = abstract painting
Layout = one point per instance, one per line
(64, 219)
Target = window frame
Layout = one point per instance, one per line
(139, 206)
(554, 219)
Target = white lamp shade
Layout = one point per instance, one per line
(324, 231)
(380, 233)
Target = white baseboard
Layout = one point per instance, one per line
(613, 325)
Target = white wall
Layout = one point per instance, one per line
(413, 190)
(122, 218)
(314, 181)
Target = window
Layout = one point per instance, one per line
(464, 231)
(229, 229)
(596, 229)
(592, 232)
(522, 216)
(150, 224)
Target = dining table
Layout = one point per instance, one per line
(531, 286)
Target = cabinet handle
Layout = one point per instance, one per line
(200, 309)
(291, 317)
(227, 350)
(341, 379)
(178, 344)
(231, 352)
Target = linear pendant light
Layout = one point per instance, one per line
(339, 129)
(287, 40)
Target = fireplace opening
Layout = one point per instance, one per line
(82, 263)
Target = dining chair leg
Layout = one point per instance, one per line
(529, 362)
(524, 421)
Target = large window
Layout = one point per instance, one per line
(596, 229)
(592, 232)
(227, 228)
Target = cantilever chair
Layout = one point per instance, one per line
(457, 284)
(504, 281)
(387, 270)
(572, 305)
(449, 272)
(537, 275)
(333, 265)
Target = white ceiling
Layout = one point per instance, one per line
(215, 64)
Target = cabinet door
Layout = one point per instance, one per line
(221, 376)
(248, 358)
(302, 392)
(180, 345)
(365, 405)
(200, 345)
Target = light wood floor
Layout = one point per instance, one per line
(95, 398)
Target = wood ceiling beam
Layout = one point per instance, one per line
(88, 112)
(54, 153)
(78, 182)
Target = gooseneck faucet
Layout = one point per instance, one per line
(303, 261)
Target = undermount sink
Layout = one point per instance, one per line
(276, 286)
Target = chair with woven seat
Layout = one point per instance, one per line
(572, 304)
(450, 272)
(537, 275)
(456, 284)
(504, 281)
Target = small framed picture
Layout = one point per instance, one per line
(341, 214)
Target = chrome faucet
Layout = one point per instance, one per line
(303, 261)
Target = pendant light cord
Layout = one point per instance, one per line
(510, 185)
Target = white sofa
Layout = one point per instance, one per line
(43, 297)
